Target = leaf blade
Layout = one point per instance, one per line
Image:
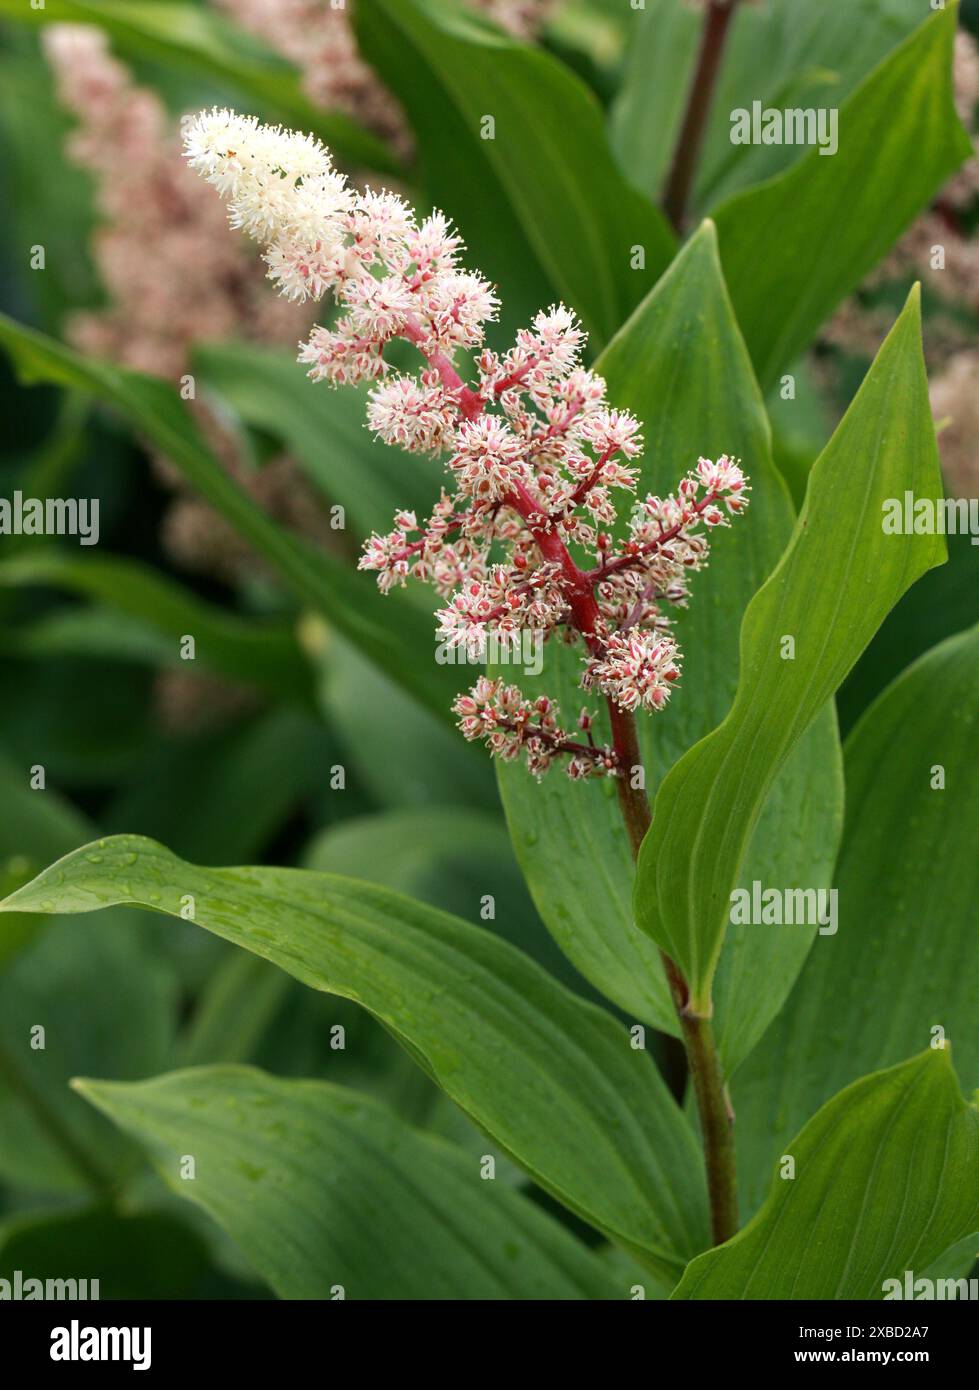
(552, 1078)
(859, 200)
(903, 959)
(336, 1190)
(834, 1231)
(708, 805)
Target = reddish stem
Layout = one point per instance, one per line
(680, 179)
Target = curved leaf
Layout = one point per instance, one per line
(323, 1187)
(833, 587)
(553, 1079)
(904, 959)
(857, 201)
(885, 1182)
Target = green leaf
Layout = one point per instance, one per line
(253, 651)
(782, 54)
(191, 38)
(324, 431)
(884, 1183)
(833, 587)
(394, 633)
(323, 1187)
(680, 364)
(552, 1079)
(450, 856)
(857, 201)
(542, 205)
(903, 960)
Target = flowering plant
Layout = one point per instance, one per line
(534, 449)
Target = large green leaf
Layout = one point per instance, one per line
(884, 1182)
(780, 53)
(541, 202)
(552, 1079)
(833, 587)
(856, 202)
(192, 38)
(326, 1190)
(256, 652)
(681, 365)
(394, 633)
(904, 959)
(451, 856)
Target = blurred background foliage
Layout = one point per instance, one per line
(282, 742)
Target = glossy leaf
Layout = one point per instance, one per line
(681, 365)
(541, 204)
(904, 959)
(552, 1079)
(837, 580)
(450, 856)
(390, 631)
(884, 1182)
(857, 201)
(335, 1191)
(194, 39)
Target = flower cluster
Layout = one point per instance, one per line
(173, 273)
(529, 534)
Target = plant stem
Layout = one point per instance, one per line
(680, 181)
(716, 1117)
